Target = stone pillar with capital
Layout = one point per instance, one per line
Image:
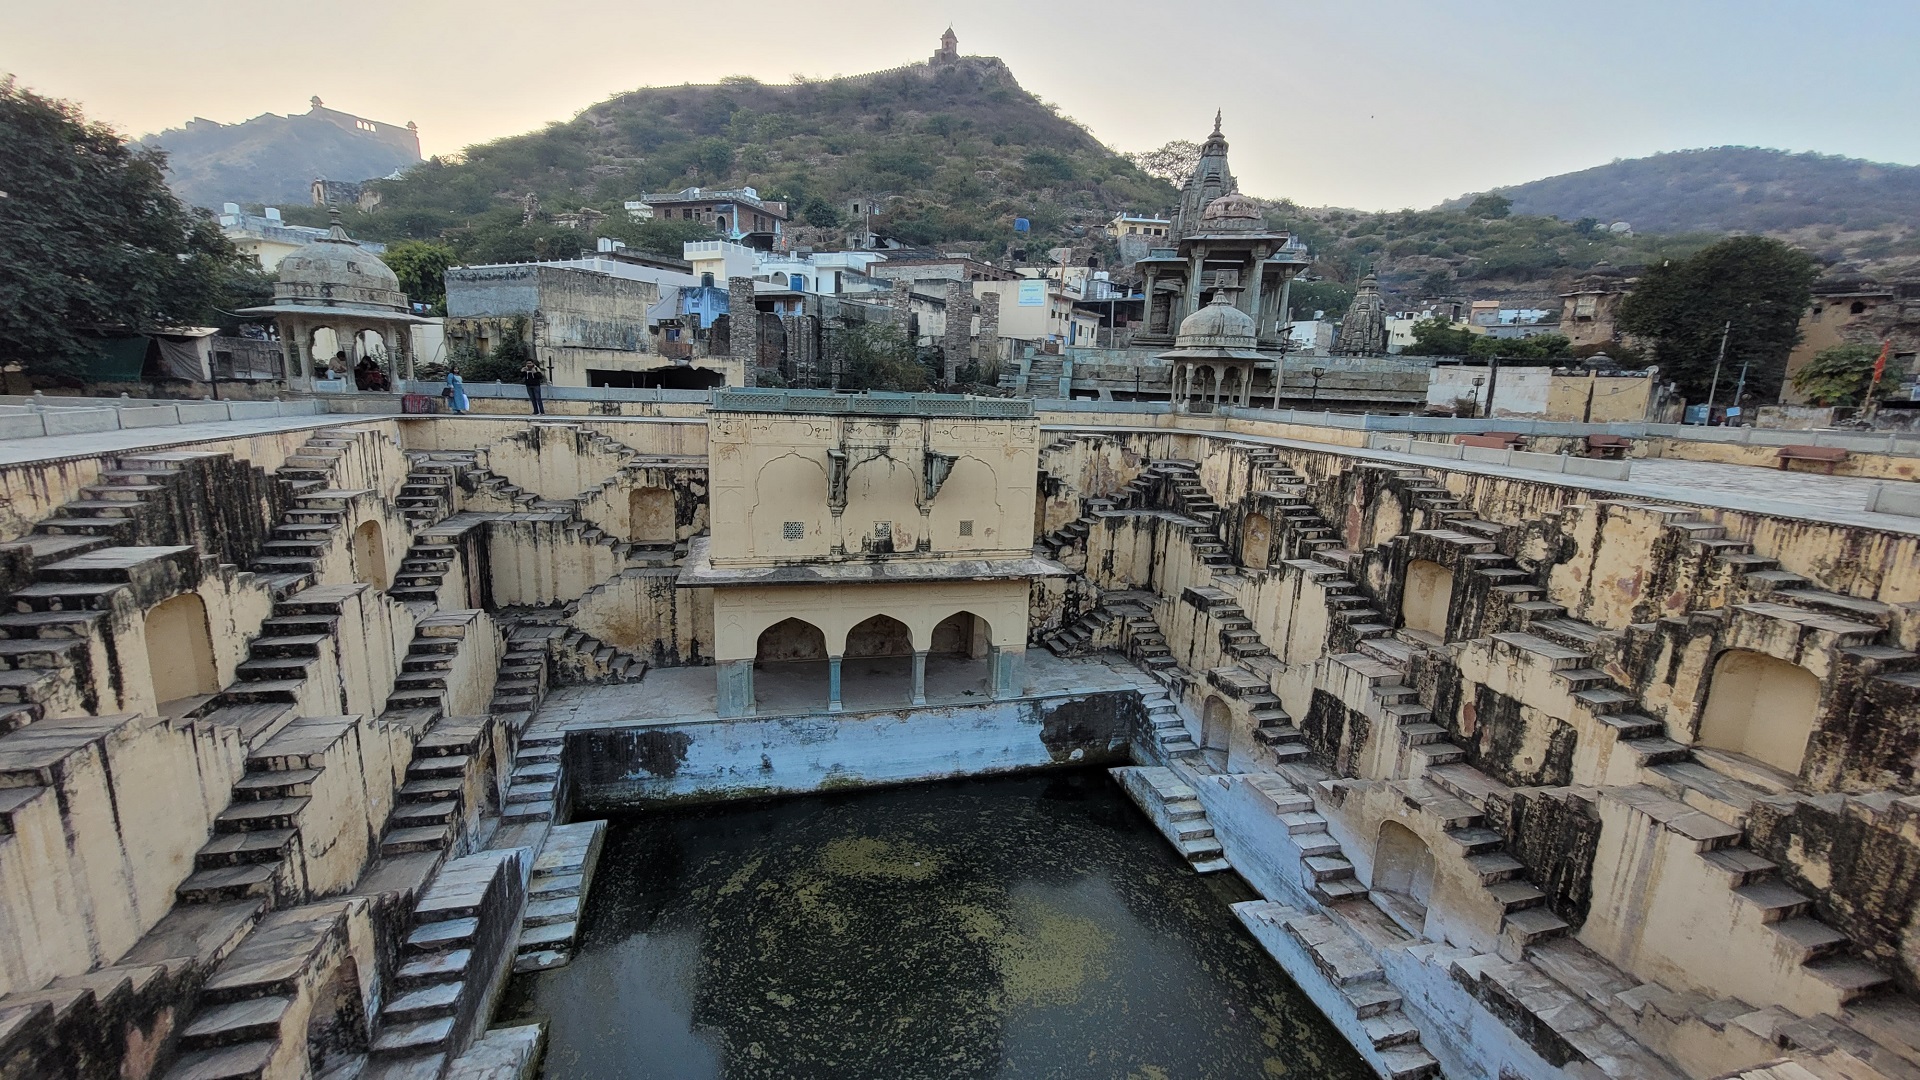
(920, 676)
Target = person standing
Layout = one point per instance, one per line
(531, 374)
(456, 391)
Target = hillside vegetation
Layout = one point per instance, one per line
(954, 154)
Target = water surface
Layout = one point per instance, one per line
(1023, 927)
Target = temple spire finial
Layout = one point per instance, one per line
(1216, 121)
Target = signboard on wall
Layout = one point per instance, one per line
(1033, 293)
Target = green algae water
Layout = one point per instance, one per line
(1033, 926)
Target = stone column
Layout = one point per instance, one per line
(1255, 299)
(920, 676)
(1006, 672)
(1191, 303)
(901, 301)
(988, 351)
(735, 688)
(953, 346)
(743, 327)
(833, 684)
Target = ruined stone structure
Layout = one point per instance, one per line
(1534, 775)
(1363, 329)
(1589, 314)
(1850, 308)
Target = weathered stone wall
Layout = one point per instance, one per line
(632, 766)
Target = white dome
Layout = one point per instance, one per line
(1219, 325)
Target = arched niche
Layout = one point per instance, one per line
(1216, 730)
(1402, 865)
(180, 650)
(370, 554)
(1427, 598)
(1256, 541)
(1761, 707)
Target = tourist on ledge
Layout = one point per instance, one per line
(531, 374)
(455, 393)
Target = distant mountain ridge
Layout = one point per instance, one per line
(274, 159)
(1835, 206)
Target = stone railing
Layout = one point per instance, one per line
(35, 417)
(871, 404)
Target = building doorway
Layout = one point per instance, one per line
(1760, 707)
(959, 659)
(790, 667)
(876, 669)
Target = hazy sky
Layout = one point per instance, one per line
(1375, 104)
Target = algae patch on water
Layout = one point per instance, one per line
(875, 857)
(1047, 956)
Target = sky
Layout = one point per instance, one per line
(1376, 105)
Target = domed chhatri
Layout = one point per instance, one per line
(336, 305)
(1219, 325)
(335, 271)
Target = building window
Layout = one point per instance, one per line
(883, 530)
(794, 530)
(966, 528)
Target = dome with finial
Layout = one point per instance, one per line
(333, 270)
(1218, 325)
(1232, 212)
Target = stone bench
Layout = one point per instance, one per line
(1825, 455)
(1612, 447)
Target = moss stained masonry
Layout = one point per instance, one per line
(1537, 777)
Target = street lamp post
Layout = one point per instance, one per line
(1316, 372)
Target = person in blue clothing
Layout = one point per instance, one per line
(456, 391)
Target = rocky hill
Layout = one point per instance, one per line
(953, 152)
(1836, 207)
(274, 159)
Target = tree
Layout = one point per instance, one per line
(1436, 283)
(1329, 297)
(879, 357)
(1751, 287)
(1440, 337)
(1491, 205)
(1173, 162)
(662, 236)
(422, 268)
(503, 364)
(1837, 376)
(91, 239)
